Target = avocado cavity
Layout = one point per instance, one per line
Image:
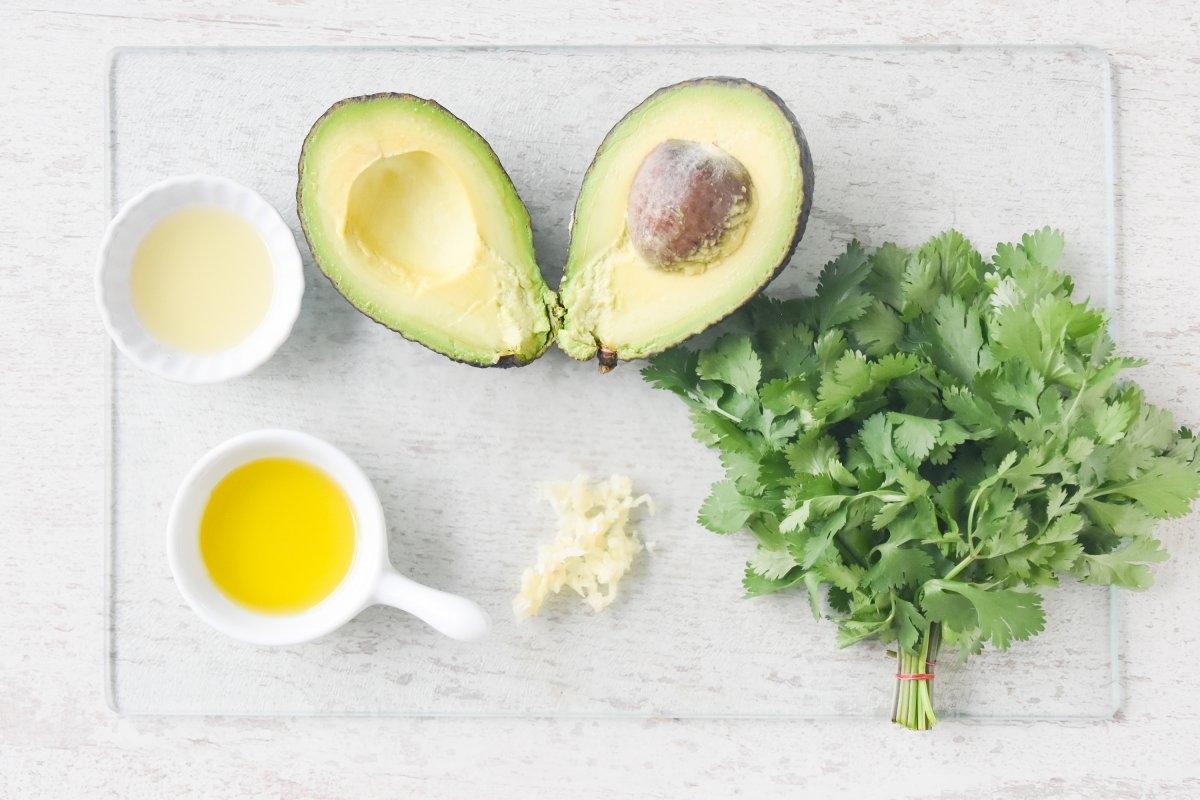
(411, 213)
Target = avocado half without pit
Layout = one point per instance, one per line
(695, 200)
(409, 213)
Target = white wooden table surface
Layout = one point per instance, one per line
(57, 738)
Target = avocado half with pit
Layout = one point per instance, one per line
(409, 213)
(694, 202)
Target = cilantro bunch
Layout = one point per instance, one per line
(928, 441)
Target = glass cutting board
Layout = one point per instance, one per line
(906, 142)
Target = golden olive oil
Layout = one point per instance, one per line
(277, 535)
(201, 279)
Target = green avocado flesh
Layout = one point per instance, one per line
(694, 202)
(409, 213)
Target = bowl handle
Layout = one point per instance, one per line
(449, 614)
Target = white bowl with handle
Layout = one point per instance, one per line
(370, 580)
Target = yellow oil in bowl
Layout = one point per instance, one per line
(277, 535)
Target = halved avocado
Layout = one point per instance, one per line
(409, 213)
(694, 202)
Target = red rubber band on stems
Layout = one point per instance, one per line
(914, 676)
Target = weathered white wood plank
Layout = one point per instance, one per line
(56, 737)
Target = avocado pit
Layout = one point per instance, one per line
(694, 202)
(688, 205)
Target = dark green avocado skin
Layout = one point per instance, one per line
(504, 362)
(608, 359)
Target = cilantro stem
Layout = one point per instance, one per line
(848, 550)
(971, 516)
(726, 414)
(712, 406)
(1114, 489)
(960, 566)
(972, 552)
(1075, 403)
(912, 701)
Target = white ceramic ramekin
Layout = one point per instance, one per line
(371, 579)
(115, 300)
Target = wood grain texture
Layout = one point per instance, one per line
(58, 740)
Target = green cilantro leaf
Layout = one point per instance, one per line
(1044, 247)
(1164, 490)
(772, 564)
(908, 623)
(957, 332)
(1000, 614)
(1127, 567)
(876, 438)
(743, 469)
(839, 297)
(956, 261)
(726, 510)
(914, 436)
(788, 350)
(732, 361)
(899, 566)
(673, 370)
(849, 378)
(887, 274)
(757, 585)
(879, 331)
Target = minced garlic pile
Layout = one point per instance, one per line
(594, 548)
